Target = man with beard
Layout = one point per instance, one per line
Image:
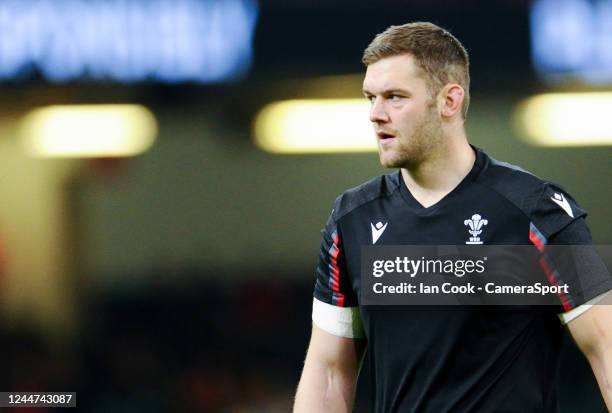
(434, 358)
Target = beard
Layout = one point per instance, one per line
(409, 152)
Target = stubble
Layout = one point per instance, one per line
(427, 138)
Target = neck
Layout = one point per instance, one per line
(440, 172)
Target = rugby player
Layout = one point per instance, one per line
(443, 358)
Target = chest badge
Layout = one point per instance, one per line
(377, 230)
(475, 225)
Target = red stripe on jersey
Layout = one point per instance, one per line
(535, 239)
(552, 280)
(336, 271)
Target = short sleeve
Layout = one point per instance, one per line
(333, 285)
(585, 271)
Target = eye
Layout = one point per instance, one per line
(394, 98)
(370, 98)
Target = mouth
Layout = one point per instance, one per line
(384, 136)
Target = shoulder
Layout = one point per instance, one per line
(547, 204)
(376, 188)
(510, 181)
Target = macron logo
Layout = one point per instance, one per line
(377, 230)
(560, 200)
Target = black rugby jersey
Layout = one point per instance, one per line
(456, 358)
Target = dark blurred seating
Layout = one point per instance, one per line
(195, 346)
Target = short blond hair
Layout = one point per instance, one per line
(439, 54)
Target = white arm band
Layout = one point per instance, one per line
(339, 321)
(581, 309)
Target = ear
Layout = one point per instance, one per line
(452, 96)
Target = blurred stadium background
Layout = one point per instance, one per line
(175, 275)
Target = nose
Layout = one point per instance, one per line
(377, 112)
